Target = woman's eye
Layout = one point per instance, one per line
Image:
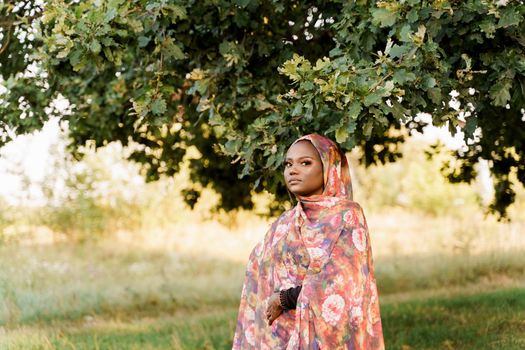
(303, 163)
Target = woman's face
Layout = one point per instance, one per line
(303, 169)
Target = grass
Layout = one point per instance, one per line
(197, 330)
(443, 284)
(490, 320)
(109, 296)
(493, 320)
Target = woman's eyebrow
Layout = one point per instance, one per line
(303, 157)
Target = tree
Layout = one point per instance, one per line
(241, 79)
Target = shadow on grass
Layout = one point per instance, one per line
(200, 330)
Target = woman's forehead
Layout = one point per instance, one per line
(301, 149)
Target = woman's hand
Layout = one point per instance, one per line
(274, 308)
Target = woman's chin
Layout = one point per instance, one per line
(298, 191)
(303, 194)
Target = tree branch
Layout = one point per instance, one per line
(6, 44)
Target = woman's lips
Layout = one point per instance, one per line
(293, 182)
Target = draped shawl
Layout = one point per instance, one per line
(322, 244)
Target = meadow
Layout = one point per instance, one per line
(154, 275)
(181, 292)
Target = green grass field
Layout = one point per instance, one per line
(105, 296)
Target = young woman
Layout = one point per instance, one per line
(310, 283)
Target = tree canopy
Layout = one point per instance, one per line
(240, 80)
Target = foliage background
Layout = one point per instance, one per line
(242, 79)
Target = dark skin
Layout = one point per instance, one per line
(303, 174)
(303, 170)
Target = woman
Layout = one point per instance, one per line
(310, 283)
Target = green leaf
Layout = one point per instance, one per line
(63, 53)
(341, 134)
(262, 104)
(402, 76)
(320, 64)
(196, 87)
(308, 109)
(412, 16)
(177, 12)
(336, 51)
(94, 46)
(204, 105)
(140, 106)
(428, 82)
(110, 14)
(383, 17)
(202, 86)
(488, 27)
(354, 110)
(398, 50)
(226, 47)
(271, 160)
(108, 54)
(136, 25)
(152, 6)
(435, 95)
(398, 110)
(405, 34)
(470, 126)
(115, 3)
(307, 85)
(143, 40)
(298, 109)
(387, 88)
(215, 119)
(509, 17)
(293, 67)
(500, 93)
(74, 58)
(372, 98)
(233, 146)
(367, 129)
(242, 3)
(172, 50)
(158, 106)
(344, 131)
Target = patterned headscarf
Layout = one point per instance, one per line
(323, 245)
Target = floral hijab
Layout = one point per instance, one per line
(322, 244)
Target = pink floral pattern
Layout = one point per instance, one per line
(333, 308)
(359, 239)
(322, 244)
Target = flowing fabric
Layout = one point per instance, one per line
(322, 244)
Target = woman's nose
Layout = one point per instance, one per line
(293, 170)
